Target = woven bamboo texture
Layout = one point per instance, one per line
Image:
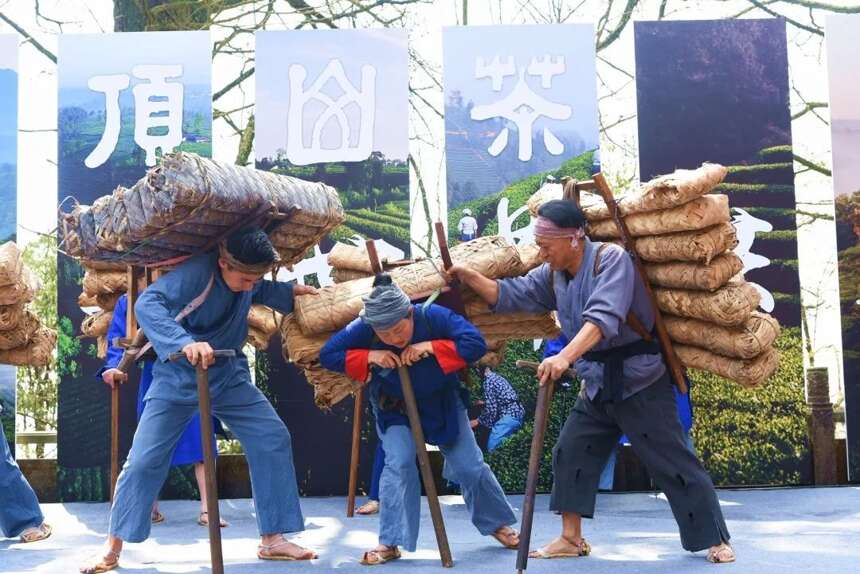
(731, 305)
(700, 213)
(687, 275)
(179, 206)
(21, 334)
(748, 373)
(700, 245)
(746, 341)
(36, 353)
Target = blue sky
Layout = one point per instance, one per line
(577, 87)
(81, 56)
(386, 49)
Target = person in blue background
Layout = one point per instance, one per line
(20, 514)
(189, 450)
(434, 343)
(503, 413)
(468, 226)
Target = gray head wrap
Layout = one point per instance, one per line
(385, 306)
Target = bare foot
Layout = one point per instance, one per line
(721, 553)
(507, 537)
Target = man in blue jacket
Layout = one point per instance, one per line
(434, 343)
(200, 306)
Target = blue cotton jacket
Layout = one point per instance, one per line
(438, 391)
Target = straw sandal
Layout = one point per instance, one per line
(369, 507)
(103, 564)
(722, 554)
(157, 517)
(36, 533)
(203, 520)
(377, 557)
(583, 549)
(264, 552)
(504, 535)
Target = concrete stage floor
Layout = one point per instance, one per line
(774, 531)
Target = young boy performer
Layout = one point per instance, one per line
(212, 294)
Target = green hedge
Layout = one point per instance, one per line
(755, 436)
(510, 461)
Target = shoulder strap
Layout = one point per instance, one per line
(187, 310)
(632, 320)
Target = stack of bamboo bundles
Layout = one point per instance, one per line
(263, 323)
(317, 317)
(685, 239)
(104, 283)
(179, 206)
(23, 340)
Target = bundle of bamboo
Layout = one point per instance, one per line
(23, 341)
(185, 201)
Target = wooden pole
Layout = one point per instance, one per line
(424, 465)
(212, 510)
(821, 426)
(672, 361)
(544, 401)
(132, 274)
(358, 407)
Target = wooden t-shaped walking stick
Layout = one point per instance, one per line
(358, 407)
(544, 401)
(212, 509)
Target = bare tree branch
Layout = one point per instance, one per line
(810, 29)
(29, 38)
(241, 78)
(622, 23)
(810, 106)
(812, 165)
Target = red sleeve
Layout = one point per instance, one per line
(356, 364)
(446, 355)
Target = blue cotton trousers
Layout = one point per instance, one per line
(400, 489)
(264, 438)
(19, 507)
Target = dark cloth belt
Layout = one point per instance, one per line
(613, 366)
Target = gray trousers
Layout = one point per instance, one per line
(650, 420)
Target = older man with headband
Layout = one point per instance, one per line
(434, 343)
(625, 384)
(200, 306)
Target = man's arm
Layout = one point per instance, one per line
(487, 289)
(279, 295)
(532, 293)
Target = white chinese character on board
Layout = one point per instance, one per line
(522, 106)
(746, 226)
(157, 106)
(353, 141)
(524, 235)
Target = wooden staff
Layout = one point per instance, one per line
(424, 465)
(674, 364)
(133, 274)
(358, 407)
(544, 401)
(209, 459)
(455, 299)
